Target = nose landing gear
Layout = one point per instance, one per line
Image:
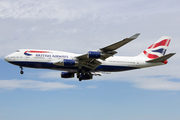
(21, 70)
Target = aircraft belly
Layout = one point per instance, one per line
(43, 65)
(114, 68)
(49, 65)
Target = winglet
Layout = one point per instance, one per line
(135, 36)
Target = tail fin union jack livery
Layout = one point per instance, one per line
(85, 66)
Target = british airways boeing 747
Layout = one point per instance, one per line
(85, 66)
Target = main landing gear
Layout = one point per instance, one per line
(79, 76)
(21, 70)
(84, 76)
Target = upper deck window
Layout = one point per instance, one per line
(17, 50)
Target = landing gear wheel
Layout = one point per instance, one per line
(21, 72)
(80, 79)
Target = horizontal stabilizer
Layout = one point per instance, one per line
(162, 58)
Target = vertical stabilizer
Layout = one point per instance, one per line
(157, 49)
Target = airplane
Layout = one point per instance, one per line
(93, 63)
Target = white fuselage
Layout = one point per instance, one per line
(46, 59)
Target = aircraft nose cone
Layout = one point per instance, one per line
(6, 58)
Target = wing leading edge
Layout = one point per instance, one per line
(119, 44)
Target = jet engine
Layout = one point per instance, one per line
(67, 75)
(67, 62)
(93, 54)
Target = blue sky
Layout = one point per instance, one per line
(80, 26)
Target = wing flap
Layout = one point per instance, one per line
(93, 64)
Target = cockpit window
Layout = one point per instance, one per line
(17, 50)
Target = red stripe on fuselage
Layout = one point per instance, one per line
(34, 51)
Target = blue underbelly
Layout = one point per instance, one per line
(49, 65)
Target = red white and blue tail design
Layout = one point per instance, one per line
(157, 49)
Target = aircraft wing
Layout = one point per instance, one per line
(119, 44)
(105, 52)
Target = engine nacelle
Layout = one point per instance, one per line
(93, 54)
(67, 62)
(67, 75)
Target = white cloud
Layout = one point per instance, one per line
(156, 78)
(163, 82)
(33, 85)
(157, 83)
(64, 10)
(43, 9)
(91, 87)
(151, 79)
